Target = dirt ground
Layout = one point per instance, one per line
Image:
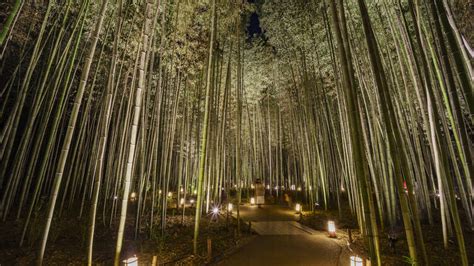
(398, 254)
(68, 242)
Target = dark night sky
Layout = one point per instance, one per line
(254, 25)
(253, 28)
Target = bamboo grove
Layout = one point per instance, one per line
(105, 102)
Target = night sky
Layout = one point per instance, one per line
(253, 28)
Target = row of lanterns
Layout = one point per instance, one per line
(354, 261)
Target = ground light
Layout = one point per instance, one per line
(356, 261)
(298, 208)
(252, 201)
(331, 229)
(133, 261)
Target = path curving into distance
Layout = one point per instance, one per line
(282, 240)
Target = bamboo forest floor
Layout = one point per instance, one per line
(437, 254)
(69, 237)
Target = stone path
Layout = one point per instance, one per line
(282, 240)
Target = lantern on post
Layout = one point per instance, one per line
(298, 208)
(331, 229)
(133, 261)
(230, 207)
(252, 201)
(356, 261)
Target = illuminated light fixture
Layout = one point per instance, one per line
(331, 229)
(298, 208)
(252, 186)
(252, 201)
(268, 186)
(191, 201)
(310, 188)
(181, 190)
(133, 261)
(343, 189)
(299, 189)
(215, 210)
(356, 261)
(133, 195)
(170, 194)
(235, 185)
(181, 202)
(276, 187)
(160, 191)
(230, 207)
(195, 191)
(115, 197)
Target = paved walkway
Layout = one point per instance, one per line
(282, 240)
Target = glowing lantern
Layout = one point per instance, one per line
(229, 207)
(181, 201)
(252, 186)
(299, 188)
(252, 201)
(276, 187)
(133, 261)
(181, 190)
(115, 197)
(215, 210)
(268, 186)
(160, 191)
(310, 188)
(298, 208)
(170, 194)
(356, 261)
(133, 195)
(331, 229)
(191, 201)
(195, 191)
